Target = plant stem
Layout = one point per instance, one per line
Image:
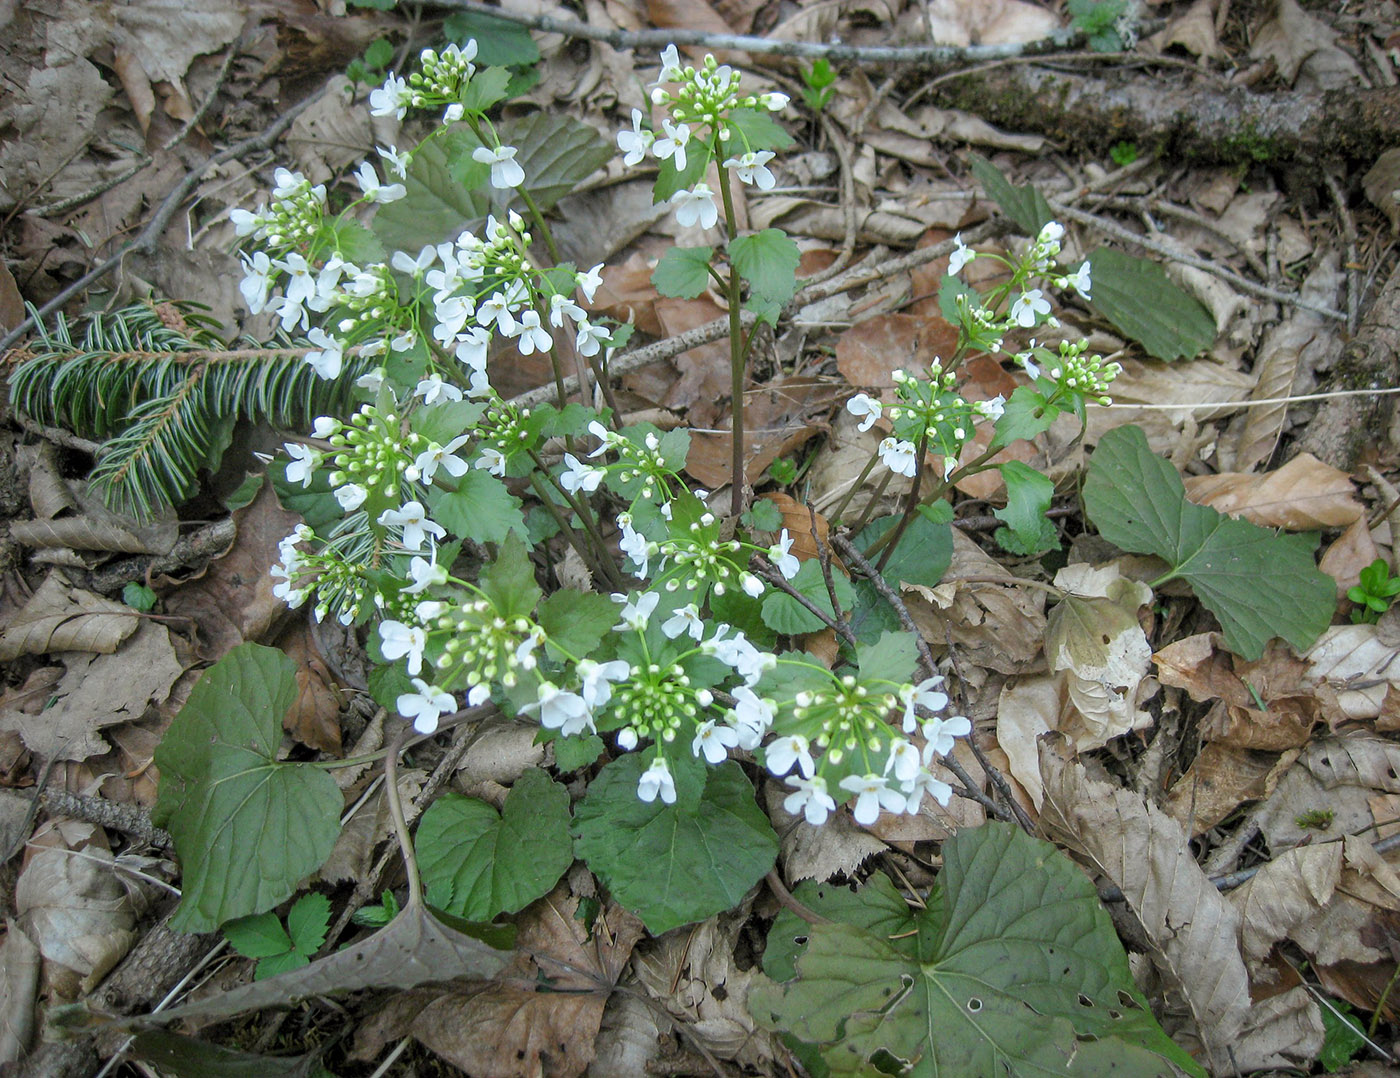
(737, 353)
(911, 506)
(400, 822)
(860, 479)
(875, 497)
(538, 219)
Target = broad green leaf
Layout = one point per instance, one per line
(446, 420)
(486, 88)
(891, 658)
(259, 936)
(1343, 1037)
(764, 309)
(683, 272)
(556, 152)
(307, 921)
(571, 753)
(757, 130)
(784, 614)
(280, 963)
(925, 549)
(1257, 583)
(498, 43)
(1138, 298)
(1024, 205)
(763, 515)
(248, 827)
(1028, 496)
(387, 682)
(1027, 414)
(871, 615)
(670, 864)
(481, 507)
(1014, 969)
(576, 621)
(509, 581)
(497, 862)
(768, 261)
(877, 908)
(355, 243)
(315, 504)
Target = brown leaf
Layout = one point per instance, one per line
(1358, 665)
(870, 352)
(314, 719)
(1285, 892)
(1193, 931)
(817, 853)
(799, 522)
(1303, 495)
(1219, 780)
(987, 22)
(1338, 775)
(11, 302)
(19, 983)
(1193, 30)
(59, 617)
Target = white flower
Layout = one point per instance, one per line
(786, 563)
(325, 426)
(406, 263)
(752, 167)
(533, 336)
(506, 172)
(590, 339)
(1027, 306)
(426, 573)
(961, 256)
(433, 389)
(635, 143)
(783, 752)
(634, 544)
(872, 794)
(327, 357)
(256, 281)
(244, 222)
(302, 467)
(375, 191)
(562, 307)
(636, 612)
(286, 183)
(736, 652)
(453, 113)
(1078, 280)
(396, 162)
(713, 741)
(696, 205)
(753, 717)
(563, 711)
(371, 381)
(904, 759)
(991, 409)
(496, 309)
(866, 406)
(657, 780)
(397, 640)
(351, 496)
(590, 281)
(596, 688)
(810, 798)
(924, 783)
(627, 739)
(673, 145)
(491, 460)
(441, 456)
(391, 99)
(425, 705)
(670, 64)
(580, 476)
(603, 435)
(899, 456)
(774, 102)
(921, 695)
(471, 348)
(752, 585)
(451, 314)
(939, 733)
(685, 620)
(413, 518)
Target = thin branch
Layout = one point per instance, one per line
(770, 574)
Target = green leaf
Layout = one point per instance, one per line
(481, 507)
(1027, 414)
(877, 908)
(387, 682)
(572, 753)
(925, 549)
(379, 53)
(280, 963)
(509, 581)
(1024, 205)
(764, 515)
(669, 179)
(486, 88)
(891, 658)
(872, 614)
(498, 42)
(1258, 584)
(1343, 1037)
(307, 922)
(1136, 296)
(1014, 969)
(354, 242)
(674, 865)
(493, 862)
(784, 614)
(259, 936)
(757, 130)
(1028, 496)
(768, 261)
(446, 420)
(247, 827)
(576, 621)
(683, 272)
(557, 153)
(138, 597)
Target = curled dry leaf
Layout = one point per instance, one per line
(60, 617)
(1361, 669)
(1303, 495)
(1192, 930)
(1286, 892)
(818, 853)
(71, 902)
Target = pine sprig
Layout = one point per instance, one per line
(160, 388)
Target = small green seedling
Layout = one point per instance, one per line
(818, 80)
(784, 471)
(1374, 594)
(1342, 1037)
(1123, 153)
(1096, 19)
(1315, 819)
(377, 916)
(281, 949)
(370, 68)
(138, 597)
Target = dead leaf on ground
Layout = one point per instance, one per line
(1303, 495)
(1193, 30)
(351, 856)
(1285, 892)
(59, 617)
(988, 22)
(1220, 779)
(1300, 44)
(19, 983)
(314, 719)
(1335, 776)
(818, 853)
(1361, 670)
(870, 352)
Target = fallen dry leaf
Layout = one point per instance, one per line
(870, 352)
(818, 853)
(1359, 667)
(1193, 30)
(1220, 779)
(19, 982)
(1299, 43)
(1303, 495)
(988, 22)
(1285, 892)
(59, 617)
(1334, 775)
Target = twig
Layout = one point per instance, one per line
(852, 553)
(57, 435)
(149, 236)
(128, 819)
(787, 901)
(857, 54)
(770, 574)
(824, 559)
(1349, 234)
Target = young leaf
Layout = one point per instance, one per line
(925, 549)
(509, 581)
(758, 130)
(1024, 205)
(576, 621)
(481, 507)
(891, 658)
(259, 936)
(996, 979)
(1028, 495)
(248, 827)
(354, 242)
(683, 272)
(768, 261)
(497, 862)
(670, 864)
(1027, 414)
(498, 43)
(571, 753)
(670, 179)
(307, 921)
(1258, 584)
(486, 87)
(784, 614)
(1136, 296)
(280, 963)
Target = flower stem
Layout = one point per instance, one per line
(737, 354)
